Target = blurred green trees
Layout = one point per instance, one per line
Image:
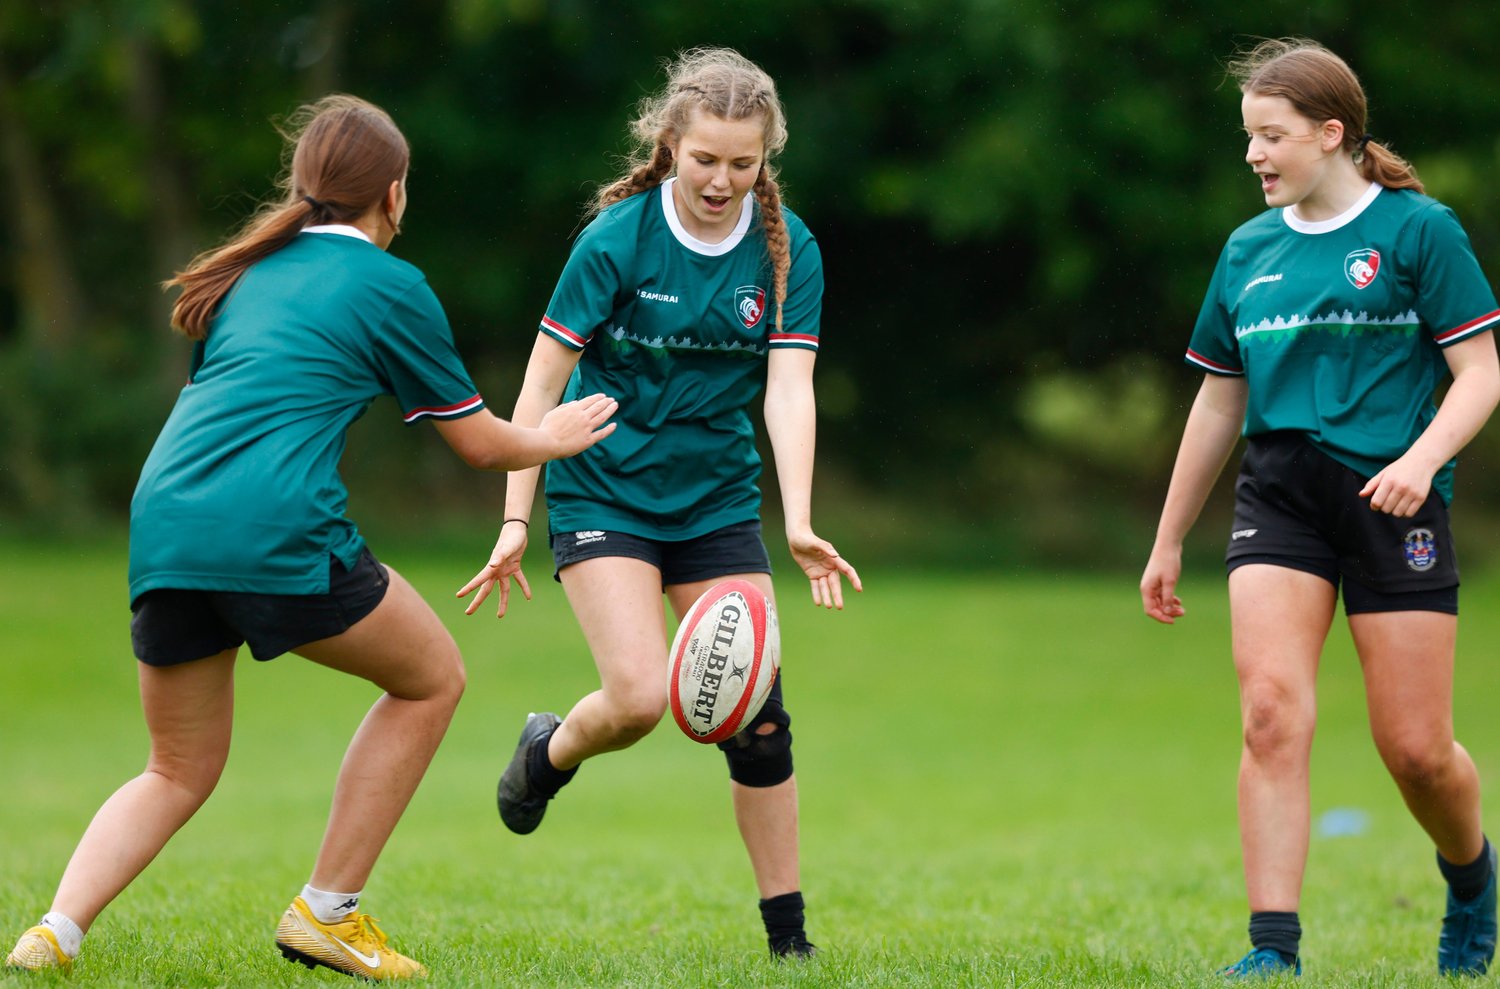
(1019, 203)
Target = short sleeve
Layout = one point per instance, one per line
(802, 312)
(586, 290)
(1213, 346)
(1454, 299)
(419, 363)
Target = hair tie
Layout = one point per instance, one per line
(312, 202)
(1365, 140)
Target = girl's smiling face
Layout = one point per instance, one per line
(1288, 152)
(718, 162)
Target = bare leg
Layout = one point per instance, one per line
(403, 648)
(618, 605)
(1280, 619)
(189, 711)
(767, 816)
(1408, 665)
(767, 819)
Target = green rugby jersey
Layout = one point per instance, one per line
(678, 330)
(241, 491)
(1338, 325)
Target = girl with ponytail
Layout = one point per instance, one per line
(1328, 324)
(664, 301)
(238, 534)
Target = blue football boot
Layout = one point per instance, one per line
(1467, 942)
(1262, 963)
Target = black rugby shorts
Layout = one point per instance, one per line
(1297, 507)
(170, 626)
(736, 548)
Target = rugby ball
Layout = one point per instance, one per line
(724, 659)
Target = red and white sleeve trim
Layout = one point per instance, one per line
(562, 334)
(445, 411)
(1211, 366)
(806, 341)
(1473, 326)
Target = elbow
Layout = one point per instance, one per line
(481, 457)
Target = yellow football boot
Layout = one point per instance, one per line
(38, 948)
(354, 946)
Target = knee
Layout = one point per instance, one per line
(455, 680)
(1275, 723)
(195, 775)
(760, 755)
(442, 679)
(634, 716)
(1416, 763)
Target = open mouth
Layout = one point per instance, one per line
(1268, 180)
(716, 203)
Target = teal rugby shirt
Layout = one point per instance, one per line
(678, 331)
(1338, 325)
(241, 491)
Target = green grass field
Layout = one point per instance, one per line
(1006, 781)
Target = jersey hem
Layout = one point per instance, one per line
(1212, 366)
(1486, 322)
(459, 410)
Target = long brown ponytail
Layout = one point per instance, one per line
(1321, 86)
(341, 155)
(724, 83)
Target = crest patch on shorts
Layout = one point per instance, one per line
(1420, 549)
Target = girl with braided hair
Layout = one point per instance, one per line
(664, 303)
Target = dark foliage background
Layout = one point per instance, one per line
(1019, 204)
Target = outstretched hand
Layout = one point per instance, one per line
(505, 563)
(824, 567)
(576, 426)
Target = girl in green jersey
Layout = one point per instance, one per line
(238, 534)
(1329, 322)
(692, 289)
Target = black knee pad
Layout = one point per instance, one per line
(762, 760)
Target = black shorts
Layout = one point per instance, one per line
(1297, 507)
(733, 549)
(170, 626)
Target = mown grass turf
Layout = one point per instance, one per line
(1006, 781)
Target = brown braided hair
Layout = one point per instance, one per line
(724, 83)
(340, 156)
(1320, 86)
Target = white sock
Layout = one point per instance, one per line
(69, 935)
(330, 908)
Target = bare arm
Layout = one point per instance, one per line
(547, 374)
(1402, 487)
(1213, 426)
(487, 442)
(791, 423)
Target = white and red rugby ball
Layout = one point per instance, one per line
(724, 660)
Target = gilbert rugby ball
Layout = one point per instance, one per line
(724, 660)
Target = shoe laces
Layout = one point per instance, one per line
(367, 931)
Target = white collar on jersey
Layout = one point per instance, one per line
(1326, 226)
(342, 229)
(669, 210)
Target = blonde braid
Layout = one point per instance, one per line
(778, 241)
(645, 176)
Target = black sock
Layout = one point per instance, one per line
(784, 921)
(545, 778)
(1467, 881)
(1280, 931)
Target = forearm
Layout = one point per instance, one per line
(1466, 408)
(1212, 429)
(791, 424)
(520, 485)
